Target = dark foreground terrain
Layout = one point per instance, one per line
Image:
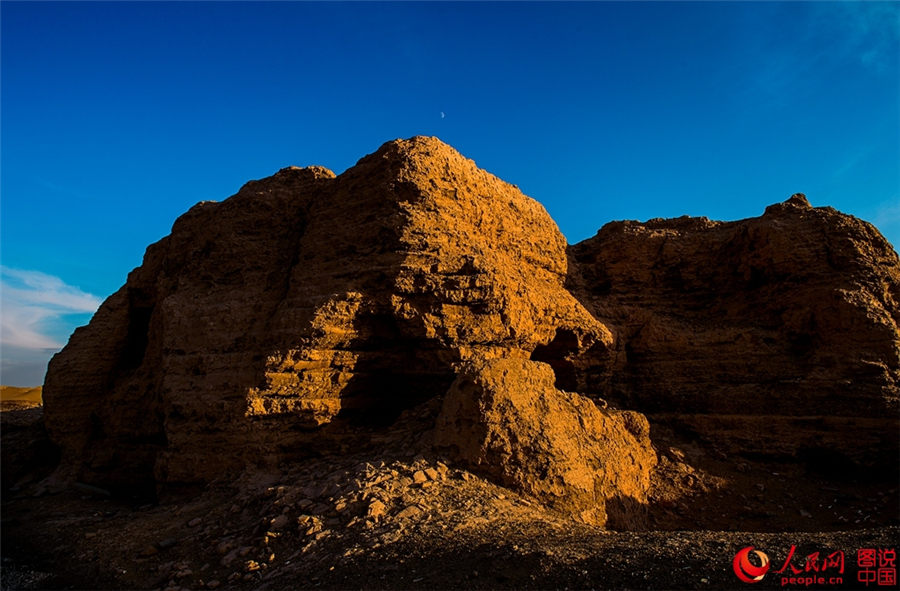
(396, 520)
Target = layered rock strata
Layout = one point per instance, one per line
(306, 298)
(310, 310)
(774, 335)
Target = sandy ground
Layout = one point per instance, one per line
(13, 397)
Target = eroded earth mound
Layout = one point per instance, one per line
(266, 326)
(341, 368)
(776, 335)
(269, 326)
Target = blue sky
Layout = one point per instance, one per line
(117, 117)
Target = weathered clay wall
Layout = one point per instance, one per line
(269, 325)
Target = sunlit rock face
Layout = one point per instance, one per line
(307, 298)
(304, 314)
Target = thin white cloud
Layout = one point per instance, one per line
(887, 220)
(30, 301)
(870, 31)
(856, 157)
(830, 37)
(888, 213)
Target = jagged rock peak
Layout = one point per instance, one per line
(318, 172)
(799, 199)
(795, 203)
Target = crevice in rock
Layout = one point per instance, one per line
(139, 314)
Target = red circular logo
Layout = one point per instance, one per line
(747, 572)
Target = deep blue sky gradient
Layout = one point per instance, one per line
(117, 117)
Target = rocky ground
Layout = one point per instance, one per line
(391, 515)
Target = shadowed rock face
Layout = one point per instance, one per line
(308, 306)
(780, 330)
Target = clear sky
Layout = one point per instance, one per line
(117, 117)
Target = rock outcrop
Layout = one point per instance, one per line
(304, 299)
(503, 417)
(309, 311)
(772, 335)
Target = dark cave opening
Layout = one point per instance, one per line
(395, 371)
(137, 337)
(556, 354)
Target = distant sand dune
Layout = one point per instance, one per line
(15, 397)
